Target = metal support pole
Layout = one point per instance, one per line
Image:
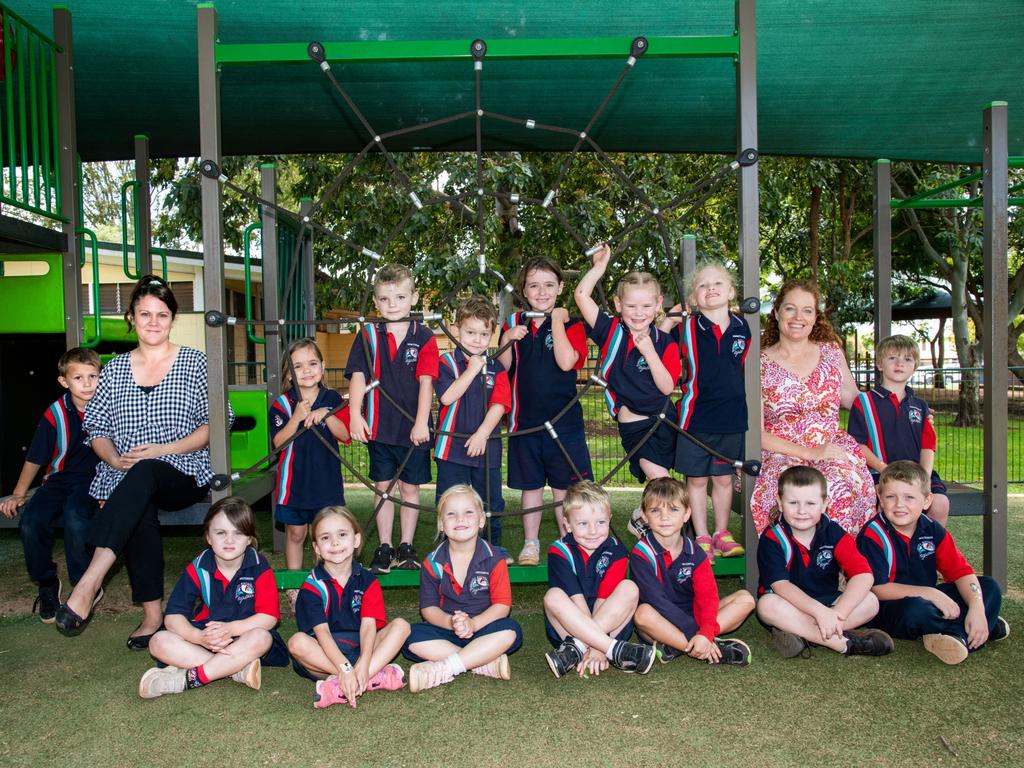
(272, 349)
(213, 241)
(143, 225)
(994, 339)
(750, 261)
(883, 249)
(308, 271)
(70, 264)
(688, 261)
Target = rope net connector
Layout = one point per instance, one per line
(481, 263)
(551, 430)
(371, 254)
(415, 200)
(211, 170)
(548, 198)
(748, 157)
(751, 305)
(599, 381)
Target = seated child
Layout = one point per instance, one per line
(891, 423)
(64, 495)
(344, 642)
(221, 616)
(907, 550)
(800, 558)
(465, 600)
(588, 612)
(679, 607)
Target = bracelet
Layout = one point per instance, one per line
(346, 667)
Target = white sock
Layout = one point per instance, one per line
(610, 653)
(535, 542)
(454, 665)
(578, 644)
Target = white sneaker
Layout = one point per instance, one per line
(156, 682)
(250, 675)
(428, 674)
(499, 669)
(530, 553)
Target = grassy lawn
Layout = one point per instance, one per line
(74, 702)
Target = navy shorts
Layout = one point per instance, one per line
(659, 448)
(937, 486)
(694, 461)
(297, 515)
(425, 632)
(555, 640)
(348, 644)
(385, 460)
(449, 473)
(535, 460)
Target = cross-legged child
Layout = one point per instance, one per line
(907, 551)
(891, 423)
(221, 616)
(588, 612)
(64, 495)
(402, 355)
(344, 643)
(679, 607)
(465, 601)
(800, 558)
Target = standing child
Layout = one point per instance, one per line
(800, 558)
(907, 550)
(465, 601)
(308, 474)
(402, 356)
(344, 642)
(891, 423)
(588, 612)
(64, 495)
(221, 616)
(713, 408)
(679, 607)
(542, 365)
(472, 403)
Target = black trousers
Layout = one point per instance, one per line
(128, 523)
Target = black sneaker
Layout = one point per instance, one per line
(734, 651)
(47, 602)
(633, 657)
(1001, 630)
(788, 645)
(867, 642)
(666, 653)
(383, 559)
(564, 658)
(637, 525)
(407, 559)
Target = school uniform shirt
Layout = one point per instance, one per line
(814, 569)
(308, 474)
(58, 445)
(914, 560)
(714, 397)
(486, 582)
(892, 429)
(204, 594)
(466, 414)
(682, 590)
(341, 606)
(540, 388)
(628, 375)
(594, 575)
(398, 368)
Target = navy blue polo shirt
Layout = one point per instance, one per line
(914, 560)
(814, 569)
(322, 600)
(540, 388)
(684, 587)
(486, 582)
(308, 474)
(466, 414)
(204, 594)
(714, 398)
(57, 443)
(894, 430)
(595, 576)
(621, 365)
(398, 368)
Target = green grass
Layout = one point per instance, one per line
(74, 702)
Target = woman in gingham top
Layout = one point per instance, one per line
(148, 424)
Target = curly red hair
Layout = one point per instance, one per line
(822, 332)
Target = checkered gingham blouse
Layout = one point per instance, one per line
(128, 415)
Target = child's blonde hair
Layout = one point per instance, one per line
(666, 489)
(286, 367)
(340, 511)
(799, 476)
(909, 472)
(586, 493)
(897, 343)
(455, 490)
(641, 280)
(704, 265)
(476, 308)
(77, 356)
(393, 274)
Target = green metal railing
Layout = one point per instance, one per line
(125, 245)
(928, 199)
(29, 134)
(97, 336)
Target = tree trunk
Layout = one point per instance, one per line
(938, 347)
(813, 212)
(968, 405)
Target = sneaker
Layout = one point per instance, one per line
(390, 678)
(161, 680)
(407, 559)
(250, 675)
(498, 669)
(666, 653)
(726, 546)
(633, 657)
(734, 651)
(1001, 630)
(383, 559)
(867, 642)
(504, 553)
(564, 658)
(708, 545)
(428, 674)
(328, 692)
(637, 525)
(948, 648)
(788, 645)
(47, 601)
(530, 553)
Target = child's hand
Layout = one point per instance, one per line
(671, 319)
(463, 625)
(594, 663)
(701, 648)
(9, 506)
(976, 625)
(946, 605)
(420, 433)
(216, 637)
(317, 416)
(477, 444)
(515, 333)
(348, 681)
(302, 409)
(476, 363)
(830, 623)
(559, 315)
(642, 341)
(602, 256)
(358, 427)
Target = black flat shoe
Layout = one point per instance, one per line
(141, 642)
(68, 622)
